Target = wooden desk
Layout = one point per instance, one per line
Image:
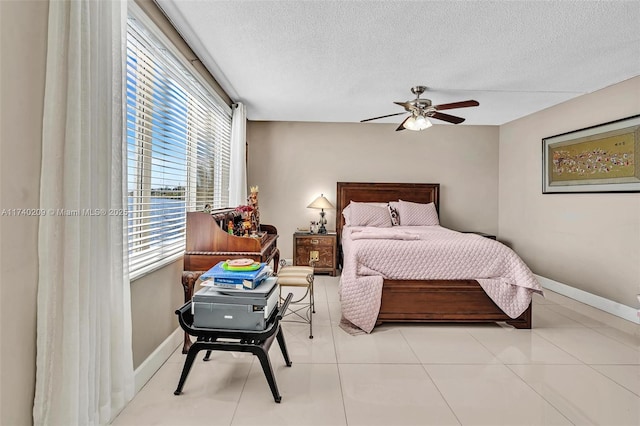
(207, 243)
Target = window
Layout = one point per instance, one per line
(178, 148)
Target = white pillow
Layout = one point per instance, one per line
(367, 214)
(417, 214)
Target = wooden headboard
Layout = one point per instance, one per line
(382, 192)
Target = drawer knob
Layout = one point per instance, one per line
(314, 241)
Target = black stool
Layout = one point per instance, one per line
(256, 342)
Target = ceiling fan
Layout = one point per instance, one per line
(422, 109)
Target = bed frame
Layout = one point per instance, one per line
(423, 300)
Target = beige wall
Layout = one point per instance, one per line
(587, 241)
(154, 299)
(23, 29)
(293, 163)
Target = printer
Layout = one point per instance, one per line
(235, 309)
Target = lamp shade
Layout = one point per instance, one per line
(320, 203)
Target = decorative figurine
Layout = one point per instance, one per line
(252, 201)
(245, 226)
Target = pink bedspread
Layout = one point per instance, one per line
(425, 253)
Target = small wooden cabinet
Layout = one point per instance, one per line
(322, 247)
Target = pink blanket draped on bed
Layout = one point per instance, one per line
(427, 253)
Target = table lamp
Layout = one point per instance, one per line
(321, 203)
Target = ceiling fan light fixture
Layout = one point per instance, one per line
(417, 123)
(410, 123)
(422, 122)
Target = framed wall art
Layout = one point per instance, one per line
(602, 158)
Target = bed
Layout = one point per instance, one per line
(422, 300)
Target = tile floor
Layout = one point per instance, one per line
(578, 365)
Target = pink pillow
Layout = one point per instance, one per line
(346, 212)
(417, 214)
(367, 214)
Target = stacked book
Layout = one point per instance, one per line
(237, 274)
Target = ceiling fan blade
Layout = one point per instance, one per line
(461, 104)
(382, 116)
(401, 126)
(405, 105)
(446, 117)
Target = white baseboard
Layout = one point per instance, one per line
(149, 366)
(614, 308)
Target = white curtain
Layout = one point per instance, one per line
(238, 168)
(84, 373)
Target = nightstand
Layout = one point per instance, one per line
(482, 234)
(321, 247)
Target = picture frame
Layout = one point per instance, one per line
(601, 158)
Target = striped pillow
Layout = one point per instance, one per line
(393, 212)
(417, 214)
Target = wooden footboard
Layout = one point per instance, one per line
(442, 301)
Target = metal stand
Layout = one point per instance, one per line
(255, 342)
(323, 221)
(299, 310)
(305, 317)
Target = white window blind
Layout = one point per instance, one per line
(178, 149)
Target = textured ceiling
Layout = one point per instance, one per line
(344, 61)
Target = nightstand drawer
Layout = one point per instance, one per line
(314, 241)
(325, 257)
